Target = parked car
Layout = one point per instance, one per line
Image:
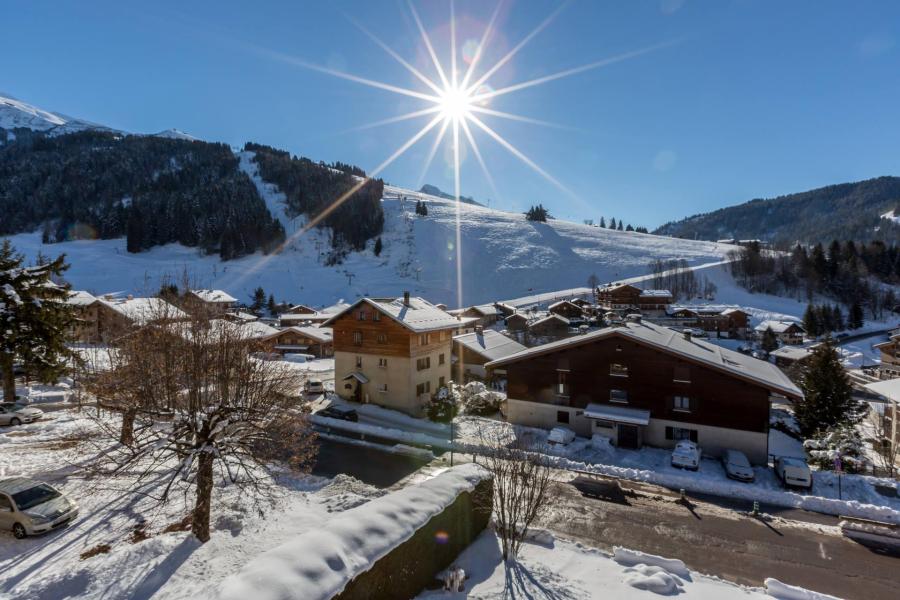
(298, 358)
(737, 466)
(339, 412)
(793, 472)
(13, 413)
(686, 455)
(29, 507)
(561, 435)
(314, 386)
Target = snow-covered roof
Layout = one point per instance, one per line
(656, 294)
(214, 296)
(490, 344)
(321, 334)
(243, 316)
(793, 352)
(80, 298)
(144, 310)
(318, 564)
(670, 341)
(889, 388)
(563, 303)
(419, 315)
(777, 326)
(256, 330)
(550, 317)
(612, 287)
(486, 310)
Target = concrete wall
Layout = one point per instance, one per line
(414, 564)
(536, 414)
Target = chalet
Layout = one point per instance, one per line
(890, 357)
(208, 302)
(506, 309)
(787, 332)
(85, 308)
(317, 341)
(641, 383)
(729, 322)
(889, 411)
(625, 297)
(567, 309)
(551, 326)
(303, 315)
(300, 309)
(484, 314)
(238, 316)
(788, 355)
(474, 350)
(517, 322)
(394, 352)
(109, 318)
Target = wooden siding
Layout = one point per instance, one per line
(398, 340)
(717, 399)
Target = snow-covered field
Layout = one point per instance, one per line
(503, 256)
(166, 564)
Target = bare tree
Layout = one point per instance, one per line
(206, 406)
(522, 479)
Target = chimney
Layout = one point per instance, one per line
(687, 335)
(479, 329)
(406, 298)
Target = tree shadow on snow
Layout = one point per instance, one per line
(158, 575)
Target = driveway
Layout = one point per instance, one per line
(796, 547)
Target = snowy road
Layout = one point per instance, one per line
(722, 542)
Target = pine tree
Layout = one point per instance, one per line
(602, 222)
(769, 340)
(377, 249)
(828, 395)
(537, 213)
(629, 228)
(620, 226)
(811, 321)
(271, 304)
(259, 300)
(34, 317)
(838, 317)
(612, 223)
(855, 318)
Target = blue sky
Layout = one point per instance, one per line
(744, 99)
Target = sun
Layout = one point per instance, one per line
(455, 103)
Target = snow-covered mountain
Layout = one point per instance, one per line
(18, 114)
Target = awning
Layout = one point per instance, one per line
(290, 347)
(357, 376)
(619, 414)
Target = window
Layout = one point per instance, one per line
(441, 359)
(376, 316)
(562, 383)
(382, 337)
(604, 425)
(423, 363)
(423, 388)
(682, 404)
(382, 362)
(382, 387)
(5, 503)
(441, 382)
(620, 396)
(618, 370)
(562, 416)
(681, 433)
(357, 337)
(682, 375)
(424, 339)
(361, 316)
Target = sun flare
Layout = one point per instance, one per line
(455, 103)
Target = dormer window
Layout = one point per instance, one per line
(618, 370)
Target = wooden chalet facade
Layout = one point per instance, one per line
(640, 383)
(102, 320)
(473, 350)
(787, 332)
(550, 327)
(394, 352)
(890, 357)
(625, 297)
(567, 309)
(517, 322)
(208, 303)
(317, 341)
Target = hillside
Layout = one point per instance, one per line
(433, 190)
(845, 211)
(503, 255)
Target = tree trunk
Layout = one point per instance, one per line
(126, 437)
(200, 522)
(9, 380)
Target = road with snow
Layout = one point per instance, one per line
(717, 540)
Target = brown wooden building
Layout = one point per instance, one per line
(102, 320)
(394, 352)
(567, 309)
(209, 303)
(317, 341)
(890, 357)
(517, 322)
(640, 383)
(474, 350)
(624, 297)
(550, 327)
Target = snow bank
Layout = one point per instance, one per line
(627, 557)
(783, 591)
(653, 579)
(318, 564)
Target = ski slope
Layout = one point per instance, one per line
(503, 256)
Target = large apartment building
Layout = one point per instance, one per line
(640, 383)
(394, 352)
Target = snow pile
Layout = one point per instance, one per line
(627, 557)
(783, 591)
(319, 563)
(653, 579)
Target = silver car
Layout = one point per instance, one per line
(29, 507)
(12, 413)
(737, 466)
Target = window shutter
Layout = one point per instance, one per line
(669, 433)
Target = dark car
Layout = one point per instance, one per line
(339, 412)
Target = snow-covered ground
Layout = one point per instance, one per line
(166, 564)
(556, 568)
(503, 256)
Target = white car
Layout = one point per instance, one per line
(298, 358)
(686, 455)
(737, 466)
(561, 435)
(314, 386)
(29, 507)
(12, 413)
(793, 472)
